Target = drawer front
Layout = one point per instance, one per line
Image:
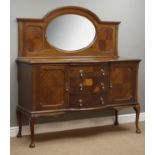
(89, 85)
(88, 71)
(80, 100)
(88, 100)
(99, 100)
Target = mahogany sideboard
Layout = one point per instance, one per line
(53, 82)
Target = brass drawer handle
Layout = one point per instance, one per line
(81, 86)
(102, 100)
(80, 101)
(81, 72)
(110, 85)
(102, 85)
(103, 71)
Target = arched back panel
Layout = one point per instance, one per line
(33, 42)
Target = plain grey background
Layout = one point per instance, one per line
(131, 42)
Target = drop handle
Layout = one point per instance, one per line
(80, 102)
(81, 86)
(103, 72)
(81, 72)
(102, 85)
(102, 100)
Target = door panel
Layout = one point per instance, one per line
(123, 76)
(51, 87)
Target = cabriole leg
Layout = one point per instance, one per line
(19, 119)
(137, 110)
(32, 144)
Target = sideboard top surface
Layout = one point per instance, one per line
(71, 60)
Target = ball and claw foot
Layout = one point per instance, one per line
(32, 145)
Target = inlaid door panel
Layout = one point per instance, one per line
(123, 76)
(51, 82)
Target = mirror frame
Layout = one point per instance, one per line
(33, 42)
(76, 50)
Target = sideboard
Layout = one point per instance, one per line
(53, 81)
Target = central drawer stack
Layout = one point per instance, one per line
(88, 86)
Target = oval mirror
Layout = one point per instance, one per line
(70, 32)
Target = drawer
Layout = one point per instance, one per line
(80, 100)
(88, 71)
(99, 100)
(93, 85)
(87, 100)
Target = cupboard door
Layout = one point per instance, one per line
(51, 81)
(123, 82)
